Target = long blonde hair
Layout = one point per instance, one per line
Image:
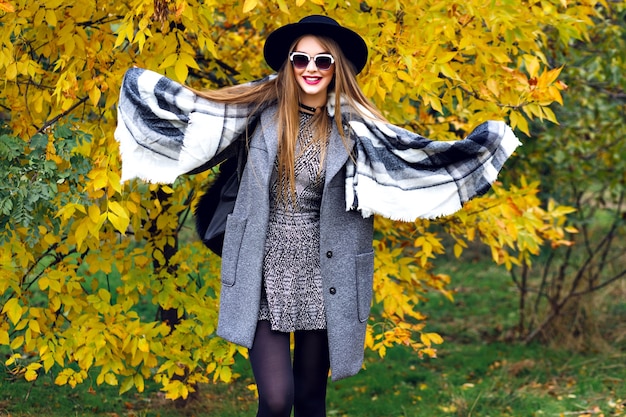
(284, 91)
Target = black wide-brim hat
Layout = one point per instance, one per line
(276, 50)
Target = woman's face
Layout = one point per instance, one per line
(312, 80)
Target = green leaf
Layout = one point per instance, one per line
(39, 142)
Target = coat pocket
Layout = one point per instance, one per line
(233, 238)
(364, 282)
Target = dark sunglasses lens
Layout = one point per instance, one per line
(300, 61)
(323, 62)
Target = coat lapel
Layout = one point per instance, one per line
(337, 154)
(269, 131)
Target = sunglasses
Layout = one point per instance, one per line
(301, 60)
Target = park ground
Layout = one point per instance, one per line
(481, 370)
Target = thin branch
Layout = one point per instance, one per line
(599, 286)
(544, 281)
(185, 213)
(531, 336)
(102, 20)
(477, 96)
(57, 259)
(41, 258)
(60, 116)
(619, 95)
(30, 82)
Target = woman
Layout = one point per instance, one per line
(297, 255)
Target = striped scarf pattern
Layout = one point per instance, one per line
(166, 130)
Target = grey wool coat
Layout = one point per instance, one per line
(346, 253)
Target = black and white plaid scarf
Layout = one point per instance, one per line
(166, 130)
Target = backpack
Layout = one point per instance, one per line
(219, 199)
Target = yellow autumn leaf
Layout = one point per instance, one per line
(31, 371)
(127, 384)
(118, 209)
(549, 115)
(249, 5)
(143, 345)
(492, 85)
(210, 45)
(435, 338)
(48, 362)
(225, 374)
(98, 177)
(435, 103)
(4, 337)
(17, 342)
(11, 71)
(283, 6)
(532, 65)
(6, 6)
(81, 232)
(519, 122)
(94, 213)
(458, 250)
(61, 379)
(188, 60)
(110, 379)
(13, 310)
(549, 77)
(119, 223)
(139, 382)
(445, 57)
(33, 325)
(51, 17)
(169, 61)
(140, 39)
(94, 95)
(181, 70)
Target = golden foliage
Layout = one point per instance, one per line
(437, 67)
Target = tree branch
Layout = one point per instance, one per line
(60, 116)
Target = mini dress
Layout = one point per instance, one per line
(291, 296)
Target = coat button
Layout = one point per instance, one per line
(329, 254)
(332, 290)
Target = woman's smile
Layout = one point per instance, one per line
(312, 80)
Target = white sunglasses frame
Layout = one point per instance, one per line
(314, 58)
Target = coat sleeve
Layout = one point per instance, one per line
(165, 130)
(404, 176)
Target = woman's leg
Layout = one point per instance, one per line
(271, 364)
(310, 371)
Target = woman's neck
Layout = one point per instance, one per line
(313, 102)
(307, 109)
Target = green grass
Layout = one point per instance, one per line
(479, 372)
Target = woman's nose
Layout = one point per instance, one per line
(311, 66)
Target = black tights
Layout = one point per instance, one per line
(282, 386)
